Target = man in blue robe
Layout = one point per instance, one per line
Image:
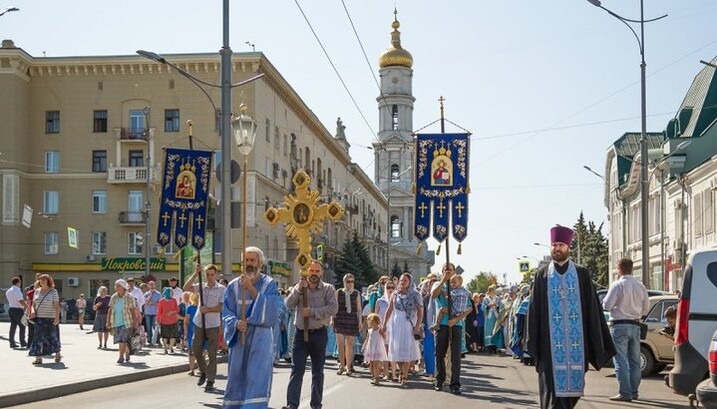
(566, 326)
(250, 363)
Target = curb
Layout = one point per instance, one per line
(56, 391)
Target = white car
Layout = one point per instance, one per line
(696, 322)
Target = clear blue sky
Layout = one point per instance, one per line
(508, 69)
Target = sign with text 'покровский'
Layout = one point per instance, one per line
(132, 264)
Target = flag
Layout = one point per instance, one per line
(185, 191)
(442, 186)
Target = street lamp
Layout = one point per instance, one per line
(586, 167)
(244, 129)
(643, 139)
(9, 10)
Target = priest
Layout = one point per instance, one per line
(566, 326)
(250, 363)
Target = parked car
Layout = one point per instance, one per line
(707, 390)
(601, 293)
(657, 350)
(696, 322)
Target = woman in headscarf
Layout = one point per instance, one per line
(167, 315)
(46, 315)
(381, 309)
(404, 318)
(122, 318)
(492, 306)
(347, 323)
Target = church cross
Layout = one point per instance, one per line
(575, 345)
(182, 219)
(460, 208)
(571, 288)
(440, 208)
(199, 221)
(557, 317)
(165, 218)
(559, 345)
(573, 316)
(423, 208)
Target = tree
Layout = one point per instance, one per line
(355, 259)
(481, 282)
(590, 248)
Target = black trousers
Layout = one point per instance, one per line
(442, 344)
(316, 349)
(548, 400)
(15, 322)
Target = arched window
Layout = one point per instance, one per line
(394, 117)
(396, 227)
(395, 172)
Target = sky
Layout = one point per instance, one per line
(544, 86)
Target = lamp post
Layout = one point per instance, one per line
(586, 167)
(9, 10)
(643, 138)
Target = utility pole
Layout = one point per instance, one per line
(147, 205)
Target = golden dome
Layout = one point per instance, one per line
(395, 55)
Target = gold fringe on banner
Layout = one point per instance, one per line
(459, 248)
(420, 246)
(177, 255)
(413, 188)
(438, 251)
(468, 188)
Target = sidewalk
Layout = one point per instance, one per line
(83, 367)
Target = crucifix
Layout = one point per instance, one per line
(423, 209)
(304, 214)
(460, 208)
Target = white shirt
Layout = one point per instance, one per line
(177, 294)
(626, 299)
(137, 293)
(14, 296)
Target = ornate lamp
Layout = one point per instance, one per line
(244, 129)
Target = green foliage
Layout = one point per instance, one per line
(356, 260)
(481, 282)
(590, 249)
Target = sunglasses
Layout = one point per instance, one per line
(349, 281)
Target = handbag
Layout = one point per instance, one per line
(25, 320)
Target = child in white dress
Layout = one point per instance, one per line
(374, 349)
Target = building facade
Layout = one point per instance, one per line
(82, 146)
(683, 179)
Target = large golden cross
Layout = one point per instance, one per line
(302, 215)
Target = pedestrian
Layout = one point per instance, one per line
(450, 335)
(29, 296)
(626, 301)
(81, 305)
(376, 293)
(206, 323)
(183, 304)
(321, 308)
(123, 318)
(152, 298)
(167, 314)
(480, 317)
(566, 326)
(389, 368)
(374, 349)
(101, 306)
(279, 329)
(517, 341)
(404, 316)
(471, 328)
(492, 332)
(177, 293)
(250, 338)
(347, 323)
(429, 339)
(46, 315)
(189, 329)
(64, 308)
(138, 294)
(16, 309)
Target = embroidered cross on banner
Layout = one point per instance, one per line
(460, 208)
(199, 221)
(165, 218)
(423, 209)
(441, 207)
(182, 219)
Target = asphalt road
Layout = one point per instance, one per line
(488, 382)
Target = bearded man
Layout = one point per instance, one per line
(250, 360)
(566, 326)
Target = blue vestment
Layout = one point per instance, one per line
(516, 342)
(250, 364)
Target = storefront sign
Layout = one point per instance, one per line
(279, 268)
(132, 264)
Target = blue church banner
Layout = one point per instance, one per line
(442, 185)
(185, 190)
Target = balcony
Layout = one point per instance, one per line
(131, 218)
(117, 175)
(132, 134)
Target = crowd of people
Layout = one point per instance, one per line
(399, 330)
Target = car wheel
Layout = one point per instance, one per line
(660, 367)
(647, 362)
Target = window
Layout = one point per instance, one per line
(395, 172)
(136, 158)
(51, 202)
(99, 161)
(51, 242)
(171, 120)
(135, 242)
(267, 130)
(99, 201)
(99, 242)
(52, 161)
(286, 145)
(99, 121)
(276, 137)
(136, 122)
(708, 199)
(394, 117)
(10, 198)
(52, 122)
(396, 227)
(134, 202)
(697, 214)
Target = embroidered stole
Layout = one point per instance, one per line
(566, 332)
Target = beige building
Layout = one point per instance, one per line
(78, 145)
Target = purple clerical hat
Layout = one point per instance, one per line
(561, 234)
